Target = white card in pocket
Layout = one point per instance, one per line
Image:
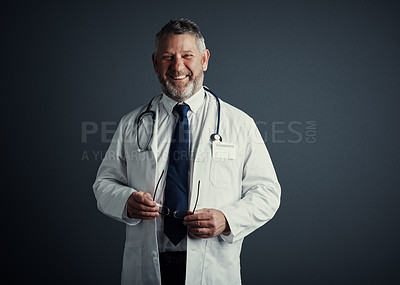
(223, 151)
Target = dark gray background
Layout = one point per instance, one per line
(332, 62)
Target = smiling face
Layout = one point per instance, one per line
(180, 66)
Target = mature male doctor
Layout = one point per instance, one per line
(188, 173)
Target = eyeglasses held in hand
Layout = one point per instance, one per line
(177, 214)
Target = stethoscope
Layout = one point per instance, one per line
(148, 112)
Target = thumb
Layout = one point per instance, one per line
(200, 211)
(148, 196)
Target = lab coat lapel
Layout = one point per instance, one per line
(147, 160)
(202, 153)
(154, 141)
(145, 132)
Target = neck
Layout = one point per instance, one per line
(182, 98)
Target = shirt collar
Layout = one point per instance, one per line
(194, 102)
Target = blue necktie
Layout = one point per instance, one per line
(177, 184)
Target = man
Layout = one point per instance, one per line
(188, 199)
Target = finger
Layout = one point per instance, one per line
(148, 196)
(143, 207)
(144, 198)
(143, 214)
(192, 235)
(197, 224)
(198, 216)
(200, 232)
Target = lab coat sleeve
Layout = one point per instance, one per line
(261, 191)
(111, 186)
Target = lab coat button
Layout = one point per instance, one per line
(153, 166)
(154, 253)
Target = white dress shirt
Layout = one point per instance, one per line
(166, 125)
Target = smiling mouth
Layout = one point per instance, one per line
(180, 77)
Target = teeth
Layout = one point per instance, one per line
(180, 77)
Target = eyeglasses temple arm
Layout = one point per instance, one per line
(158, 182)
(197, 198)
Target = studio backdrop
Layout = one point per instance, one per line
(320, 79)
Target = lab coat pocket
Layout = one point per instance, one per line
(132, 263)
(223, 260)
(223, 173)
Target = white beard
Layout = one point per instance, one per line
(171, 91)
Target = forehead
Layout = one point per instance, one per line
(175, 43)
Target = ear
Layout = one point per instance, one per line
(205, 58)
(154, 58)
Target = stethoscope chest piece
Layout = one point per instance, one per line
(216, 137)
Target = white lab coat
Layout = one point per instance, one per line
(245, 189)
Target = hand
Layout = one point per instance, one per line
(140, 205)
(206, 223)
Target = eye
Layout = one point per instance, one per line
(187, 55)
(166, 57)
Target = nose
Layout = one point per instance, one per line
(178, 63)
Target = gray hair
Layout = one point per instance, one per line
(178, 27)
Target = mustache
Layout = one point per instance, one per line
(177, 73)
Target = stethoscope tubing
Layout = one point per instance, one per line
(148, 111)
(219, 108)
